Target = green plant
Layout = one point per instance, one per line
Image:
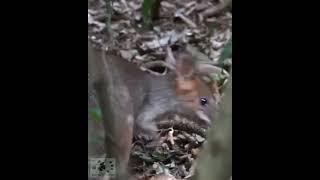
(150, 10)
(96, 114)
(226, 52)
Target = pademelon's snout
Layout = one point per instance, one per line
(204, 118)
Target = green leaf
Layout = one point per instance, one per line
(215, 77)
(147, 11)
(160, 156)
(226, 52)
(218, 77)
(96, 114)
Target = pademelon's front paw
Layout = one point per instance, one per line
(149, 134)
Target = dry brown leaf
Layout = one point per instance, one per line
(162, 177)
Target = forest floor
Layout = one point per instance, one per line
(202, 25)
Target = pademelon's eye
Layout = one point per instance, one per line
(203, 101)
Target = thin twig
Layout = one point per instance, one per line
(186, 20)
(109, 13)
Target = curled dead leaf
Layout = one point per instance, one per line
(170, 136)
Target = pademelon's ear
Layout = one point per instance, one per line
(185, 80)
(185, 68)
